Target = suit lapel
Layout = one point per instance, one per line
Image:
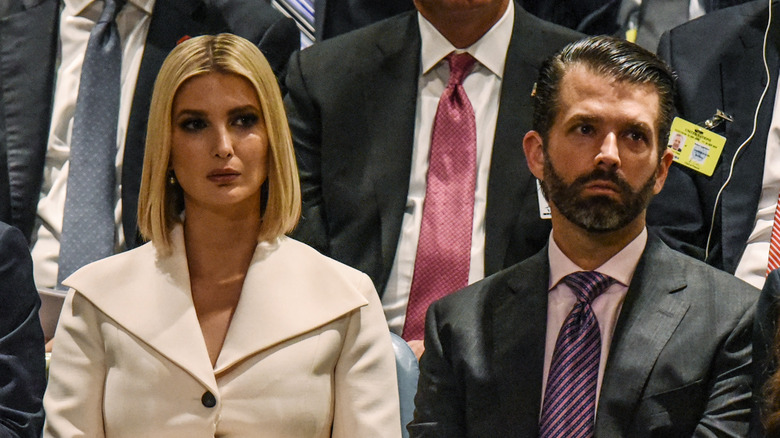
(649, 316)
(28, 45)
(390, 93)
(738, 78)
(519, 324)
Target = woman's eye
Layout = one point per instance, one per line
(246, 120)
(192, 124)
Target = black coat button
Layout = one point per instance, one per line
(208, 399)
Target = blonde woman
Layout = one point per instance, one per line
(221, 326)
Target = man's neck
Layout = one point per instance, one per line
(464, 27)
(590, 250)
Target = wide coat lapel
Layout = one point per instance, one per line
(390, 94)
(28, 51)
(519, 325)
(650, 314)
(149, 296)
(279, 298)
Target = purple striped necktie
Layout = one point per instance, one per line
(444, 249)
(569, 406)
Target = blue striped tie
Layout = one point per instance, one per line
(570, 397)
(302, 11)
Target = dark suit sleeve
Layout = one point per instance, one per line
(280, 41)
(728, 410)
(22, 375)
(676, 213)
(304, 118)
(439, 410)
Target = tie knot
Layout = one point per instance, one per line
(588, 285)
(111, 9)
(460, 66)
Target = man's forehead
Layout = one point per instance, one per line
(581, 84)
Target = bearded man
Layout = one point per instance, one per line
(605, 332)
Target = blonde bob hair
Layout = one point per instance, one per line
(160, 204)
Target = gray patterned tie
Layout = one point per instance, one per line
(88, 224)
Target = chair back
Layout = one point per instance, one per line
(408, 372)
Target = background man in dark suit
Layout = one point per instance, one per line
(34, 148)
(674, 334)
(719, 60)
(361, 110)
(334, 17)
(22, 374)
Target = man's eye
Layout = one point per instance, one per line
(192, 124)
(586, 129)
(637, 136)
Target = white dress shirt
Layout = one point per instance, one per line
(752, 265)
(561, 299)
(77, 19)
(483, 88)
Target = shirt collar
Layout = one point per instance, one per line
(78, 6)
(621, 266)
(435, 47)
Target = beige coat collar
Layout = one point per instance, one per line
(289, 289)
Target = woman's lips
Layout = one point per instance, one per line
(223, 175)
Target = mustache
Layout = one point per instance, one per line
(600, 174)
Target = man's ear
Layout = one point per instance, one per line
(663, 170)
(534, 156)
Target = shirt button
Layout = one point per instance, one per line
(208, 399)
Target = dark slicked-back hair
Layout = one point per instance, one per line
(611, 57)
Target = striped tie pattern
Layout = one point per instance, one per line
(302, 11)
(774, 243)
(569, 406)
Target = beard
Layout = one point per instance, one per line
(598, 213)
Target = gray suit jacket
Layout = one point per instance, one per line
(28, 52)
(351, 104)
(679, 364)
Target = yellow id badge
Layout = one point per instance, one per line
(695, 147)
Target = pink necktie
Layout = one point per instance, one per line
(774, 243)
(444, 249)
(569, 406)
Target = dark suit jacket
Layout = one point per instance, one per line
(28, 48)
(22, 374)
(351, 104)
(679, 363)
(718, 59)
(334, 17)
